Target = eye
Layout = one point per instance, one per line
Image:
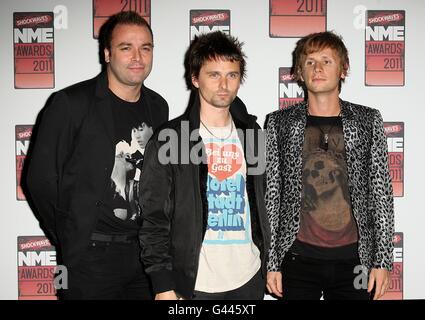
(147, 49)
(319, 165)
(309, 63)
(214, 75)
(234, 75)
(125, 48)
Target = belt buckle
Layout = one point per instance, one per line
(120, 238)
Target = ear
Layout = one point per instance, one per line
(195, 82)
(107, 55)
(344, 72)
(300, 74)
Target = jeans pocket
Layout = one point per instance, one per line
(291, 257)
(96, 252)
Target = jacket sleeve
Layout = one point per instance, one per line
(156, 198)
(381, 196)
(47, 158)
(273, 190)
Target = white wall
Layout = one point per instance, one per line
(76, 59)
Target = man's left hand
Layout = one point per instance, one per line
(379, 278)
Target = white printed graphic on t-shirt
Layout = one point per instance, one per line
(228, 214)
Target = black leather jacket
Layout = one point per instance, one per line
(71, 159)
(175, 208)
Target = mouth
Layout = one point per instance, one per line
(223, 94)
(136, 68)
(321, 182)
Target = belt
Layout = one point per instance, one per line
(123, 238)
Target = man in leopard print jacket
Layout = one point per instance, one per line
(329, 195)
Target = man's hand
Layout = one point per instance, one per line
(379, 278)
(274, 283)
(167, 295)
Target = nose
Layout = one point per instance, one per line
(137, 56)
(223, 83)
(318, 66)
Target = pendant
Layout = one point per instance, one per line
(324, 142)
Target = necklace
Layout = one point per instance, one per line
(220, 138)
(324, 137)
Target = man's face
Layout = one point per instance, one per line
(218, 82)
(322, 71)
(130, 56)
(142, 134)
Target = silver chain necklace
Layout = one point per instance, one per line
(324, 138)
(222, 139)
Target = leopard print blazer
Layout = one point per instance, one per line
(368, 180)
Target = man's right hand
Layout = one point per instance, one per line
(167, 295)
(274, 283)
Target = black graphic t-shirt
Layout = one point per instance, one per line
(133, 128)
(327, 227)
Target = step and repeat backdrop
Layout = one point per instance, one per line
(48, 45)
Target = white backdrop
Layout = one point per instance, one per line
(76, 59)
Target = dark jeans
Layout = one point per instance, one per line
(309, 279)
(252, 290)
(108, 271)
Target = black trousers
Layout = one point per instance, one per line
(108, 271)
(310, 279)
(254, 289)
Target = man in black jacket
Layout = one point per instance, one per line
(84, 171)
(205, 233)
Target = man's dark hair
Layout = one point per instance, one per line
(212, 46)
(123, 17)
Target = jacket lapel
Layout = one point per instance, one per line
(294, 140)
(149, 107)
(103, 106)
(350, 131)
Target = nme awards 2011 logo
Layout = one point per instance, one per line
(289, 91)
(33, 41)
(395, 288)
(36, 268)
(395, 139)
(296, 18)
(103, 9)
(22, 140)
(385, 47)
(205, 21)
